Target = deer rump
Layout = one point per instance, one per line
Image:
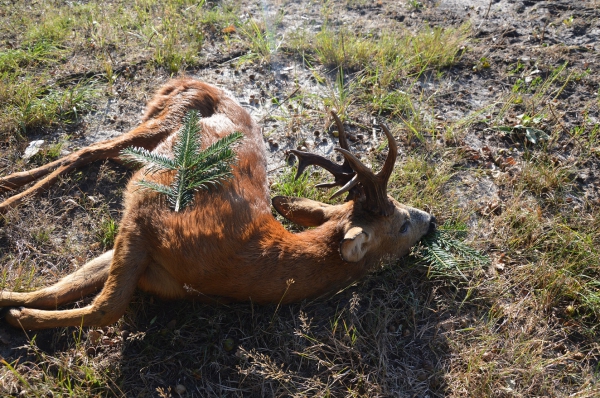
(226, 246)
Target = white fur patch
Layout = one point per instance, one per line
(219, 123)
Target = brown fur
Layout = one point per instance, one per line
(227, 246)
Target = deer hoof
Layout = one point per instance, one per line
(14, 316)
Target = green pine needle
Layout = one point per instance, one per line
(153, 162)
(195, 169)
(447, 255)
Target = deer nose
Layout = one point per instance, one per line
(432, 225)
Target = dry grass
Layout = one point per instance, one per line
(524, 326)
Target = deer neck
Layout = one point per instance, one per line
(309, 262)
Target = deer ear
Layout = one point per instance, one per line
(354, 246)
(302, 211)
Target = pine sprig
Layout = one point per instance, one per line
(447, 255)
(144, 157)
(195, 169)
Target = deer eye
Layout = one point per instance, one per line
(404, 227)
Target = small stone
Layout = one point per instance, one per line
(180, 389)
(94, 336)
(172, 324)
(428, 365)
(33, 148)
(228, 344)
(570, 310)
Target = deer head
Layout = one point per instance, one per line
(377, 224)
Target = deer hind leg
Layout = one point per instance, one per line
(125, 270)
(162, 118)
(85, 281)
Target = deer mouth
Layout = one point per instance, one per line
(432, 225)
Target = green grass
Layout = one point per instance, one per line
(379, 71)
(37, 54)
(28, 104)
(169, 34)
(418, 180)
(178, 42)
(261, 40)
(304, 186)
(388, 54)
(108, 232)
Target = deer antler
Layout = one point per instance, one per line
(342, 174)
(353, 172)
(374, 185)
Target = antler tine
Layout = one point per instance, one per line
(390, 160)
(355, 163)
(349, 185)
(342, 133)
(306, 159)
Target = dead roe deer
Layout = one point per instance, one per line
(227, 246)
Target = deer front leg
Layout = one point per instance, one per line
(129, 261)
